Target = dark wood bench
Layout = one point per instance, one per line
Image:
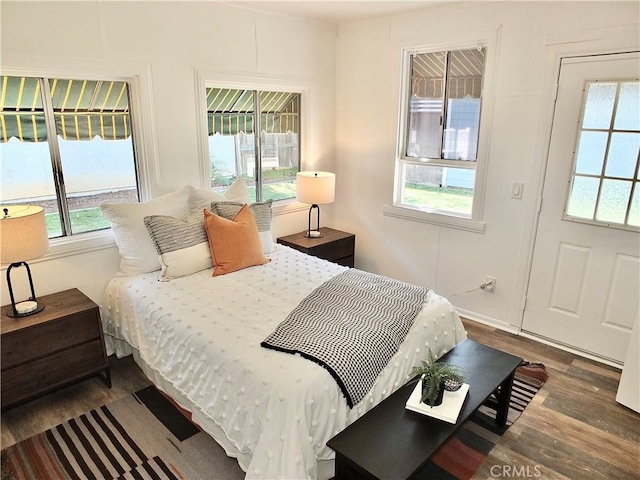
(391, 442)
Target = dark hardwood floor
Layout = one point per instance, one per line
(573, 428)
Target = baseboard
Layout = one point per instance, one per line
(491, 322)
(570, 349)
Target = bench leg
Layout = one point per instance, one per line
(503, 397)
(345, 471)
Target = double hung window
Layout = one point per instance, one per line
(66, 145)
(439, 131)
(254, 134)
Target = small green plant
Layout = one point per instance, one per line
(434, 376)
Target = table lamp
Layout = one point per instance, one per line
(23, 236)
(316, 188)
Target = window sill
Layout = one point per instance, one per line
(416, 215)
(75, 245)
(288, 206)
(92, 241)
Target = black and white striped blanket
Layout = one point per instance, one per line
(351, 325)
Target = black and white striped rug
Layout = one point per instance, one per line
(140, 437)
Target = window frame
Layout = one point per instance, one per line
(205, 79)
(138, 78)
(55, 154)
(610, 130)
(490, 42)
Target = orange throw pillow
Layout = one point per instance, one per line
(235, 244)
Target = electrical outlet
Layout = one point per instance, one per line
(489, 284)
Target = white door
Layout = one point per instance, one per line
(584, 287)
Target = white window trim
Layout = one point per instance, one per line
(203, 79)
(491, 41)
(138, 76)
(434, 218)
(601, 177)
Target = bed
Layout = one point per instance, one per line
(198, 339)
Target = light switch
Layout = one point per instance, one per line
(516, 190)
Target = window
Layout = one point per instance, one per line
(254, 135)
(604, 187)
(439, 131)
(67, 146)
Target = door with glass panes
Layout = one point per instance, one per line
(584, 286)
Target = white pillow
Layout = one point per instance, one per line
(137, 252)
(202, 197)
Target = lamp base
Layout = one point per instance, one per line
(24, 309)
(313, 234)
(28, 307)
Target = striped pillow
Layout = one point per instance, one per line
(182, 244)
(261, 212)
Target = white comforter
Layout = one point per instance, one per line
(199, 339)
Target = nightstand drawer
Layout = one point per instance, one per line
(51, 349)
(32, 379)
(335, 250)
(31, 343)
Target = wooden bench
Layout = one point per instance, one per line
(391, 442)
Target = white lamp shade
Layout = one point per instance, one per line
(315, 187)
(23, 233)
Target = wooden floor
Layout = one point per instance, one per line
(46, 412)
(573, 428)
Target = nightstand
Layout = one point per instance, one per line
(61, 345)
(334, 245)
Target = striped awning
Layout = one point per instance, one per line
(230, 111)
(464, 79)
(83, 109)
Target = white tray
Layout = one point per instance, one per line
(448, 410)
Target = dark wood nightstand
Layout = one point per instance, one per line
(61, 345)
(334, 245)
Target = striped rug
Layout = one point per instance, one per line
(145, 437)
(141, 437)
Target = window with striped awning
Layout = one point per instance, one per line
(67, 145)
(254, 134)
(231, 111)
(440, 108)
(83, 109)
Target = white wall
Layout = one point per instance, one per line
(353, 72)
(531, 37)
(170, 42)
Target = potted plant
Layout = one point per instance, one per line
(436, 378)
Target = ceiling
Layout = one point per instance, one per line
(336, 11)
